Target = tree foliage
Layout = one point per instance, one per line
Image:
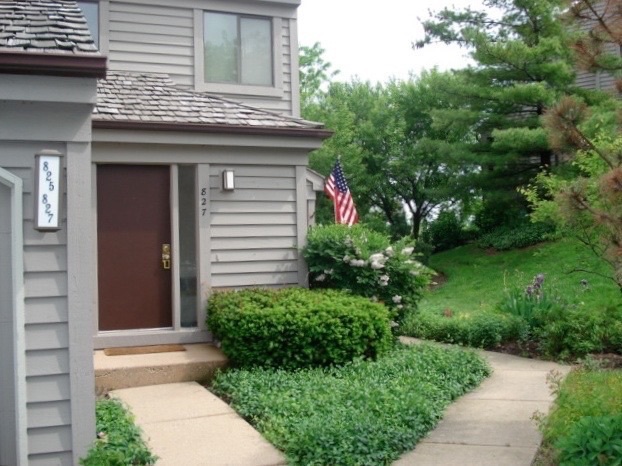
(588, 199)
(393, 155)
(315, 73)
(522, 66)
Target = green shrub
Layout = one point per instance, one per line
(500, 210)
(592, 441)
(482, 329)
(364, 262)
(518, 236)
(294, 327)
(446, 232)
(119, 440)
(365, 413)
(575, 331)
(563, 327)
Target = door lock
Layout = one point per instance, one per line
(166, 256)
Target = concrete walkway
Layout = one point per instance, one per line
(492, 425)
(186, 425)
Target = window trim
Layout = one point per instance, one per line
(276, 90)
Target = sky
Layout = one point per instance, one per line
(372, 41)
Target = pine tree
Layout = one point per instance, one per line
(590, 203)
(522, 66)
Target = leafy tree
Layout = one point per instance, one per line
(588, 199)
(315, 73)
(392, 154)
(522, 66)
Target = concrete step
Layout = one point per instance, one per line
(198, 362)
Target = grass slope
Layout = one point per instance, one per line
(476, 279)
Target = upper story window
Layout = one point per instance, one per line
(90, 10)
(237, 49)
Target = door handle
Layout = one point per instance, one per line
(166, 256)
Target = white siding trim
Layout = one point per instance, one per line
(175, 246)
(81, 311)
(19, 330)
(294, 67)
(104, 26)
(301, 222)
(204, 242)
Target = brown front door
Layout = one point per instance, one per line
(133, 222)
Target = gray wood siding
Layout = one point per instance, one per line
(160, 39)
(253, 229)
(47, 332)
(152, 39)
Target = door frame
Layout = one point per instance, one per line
(177, 333)
(16, 278)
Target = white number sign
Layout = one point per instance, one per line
(48, 191)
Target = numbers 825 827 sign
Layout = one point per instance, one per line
(48, 168)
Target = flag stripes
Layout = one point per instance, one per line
(337, 189)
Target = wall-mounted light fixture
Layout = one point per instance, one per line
(228, 180)
(48, 190)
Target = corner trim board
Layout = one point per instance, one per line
(19, 325)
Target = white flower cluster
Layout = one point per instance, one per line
(358, 263)
(376, 261)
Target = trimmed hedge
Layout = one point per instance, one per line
(295, 328)
(481, 329)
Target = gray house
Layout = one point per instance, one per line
(133, 181)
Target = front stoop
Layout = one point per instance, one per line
(198, 363)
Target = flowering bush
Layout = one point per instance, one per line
(365, 263)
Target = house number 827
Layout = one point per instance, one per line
(203, 201)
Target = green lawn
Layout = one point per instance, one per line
(577, 313)
(585, 425)
(476, 278)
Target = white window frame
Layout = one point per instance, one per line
(276, 90)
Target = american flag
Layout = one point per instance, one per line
(337, 189)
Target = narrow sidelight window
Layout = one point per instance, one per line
(187, 246)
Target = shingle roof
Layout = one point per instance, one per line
(154, 98)
(44, 26)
